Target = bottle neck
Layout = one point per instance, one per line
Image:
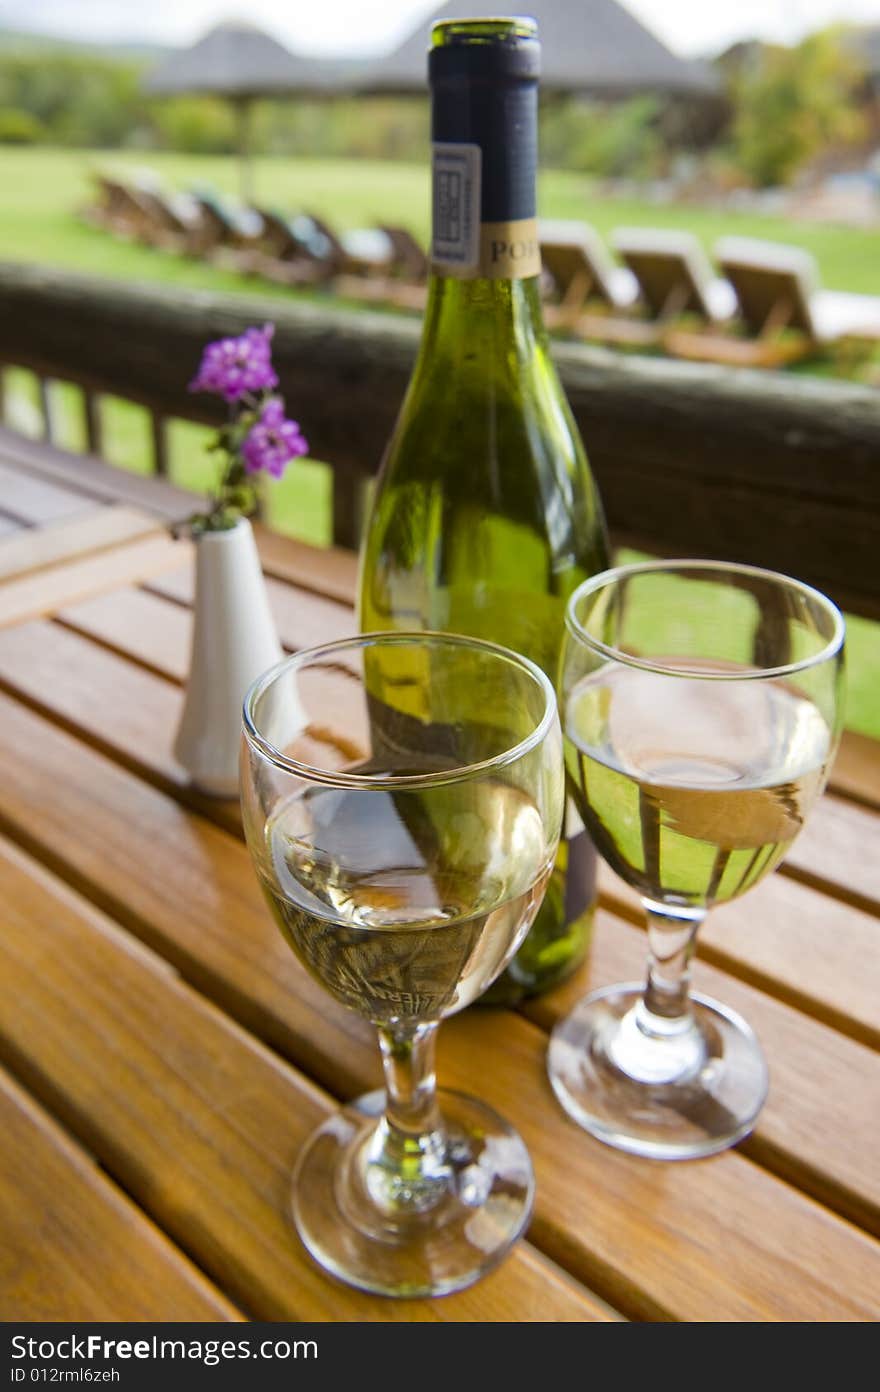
(482, 320)
(484, 123)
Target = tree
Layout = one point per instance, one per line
(792, 103)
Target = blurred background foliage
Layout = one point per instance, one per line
(792, 104)
(784, 108)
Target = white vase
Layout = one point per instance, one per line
(233, 641)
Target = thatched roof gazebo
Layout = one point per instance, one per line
(589, 47)
(241, 63)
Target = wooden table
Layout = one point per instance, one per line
(163, 1055)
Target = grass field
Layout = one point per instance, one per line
(41, 190)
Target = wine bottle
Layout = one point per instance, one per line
(485, 516)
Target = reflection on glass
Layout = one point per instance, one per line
(701, 708)
(403, 831)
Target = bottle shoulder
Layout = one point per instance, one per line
(475, 450)
(457, 420)
(485, 487)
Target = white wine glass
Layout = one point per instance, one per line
(701, 706)
(402, 798)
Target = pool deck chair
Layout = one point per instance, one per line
(379, 265)
(177, 223)
(581, 273)
(129, 211)
(779, 293)
(292, 252)
(674, 275)
(783, 315)
(232, 233)
(410, 259)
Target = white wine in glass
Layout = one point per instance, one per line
(387, 926)
(402, 798)
(696, 788)
(701, 708)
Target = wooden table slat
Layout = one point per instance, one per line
(830, 853)
(168, 1082)
(95, 478)
(198, 1121)
(33, 500)
(835, 853)
(132, 714)
(330, 571)
(47, 590)
(139, 625)
(327, 571)
(856, 772)
(227, 946)
(74, 1247)
(97, 529)
(303, 620)
(811, 1131)
(810, 950)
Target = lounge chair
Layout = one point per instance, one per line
(581, 273)
(277, 238)
(118, 208)
(377, 263)
(306, 250)
(175, 221)
(292, 250)
(783, 314)
(674, 275)
(408, 256)
(364, 252)
(407, 287)
(232, 234)
(231, 226)
(778, 287)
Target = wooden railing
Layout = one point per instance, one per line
(778, 470)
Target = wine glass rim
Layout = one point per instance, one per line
(615, 573)
(341, 778)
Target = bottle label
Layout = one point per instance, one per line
(465, 247)
(510, 250)
(457, 170)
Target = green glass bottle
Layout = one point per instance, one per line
(485, 515)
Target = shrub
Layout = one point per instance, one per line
(614, 140)
(19, 127)
(791, 104)
(197, 125)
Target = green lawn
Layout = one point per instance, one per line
(41, 190)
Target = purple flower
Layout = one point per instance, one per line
(233, 367)
(273, 441)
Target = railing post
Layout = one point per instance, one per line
(159, 433)
(47, 407)
(91, 403)
(348, 509)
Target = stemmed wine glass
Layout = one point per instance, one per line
(402, 798)
(701, 704)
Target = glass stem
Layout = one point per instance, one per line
(407, 1171)
(672, 933)
(410, 1079)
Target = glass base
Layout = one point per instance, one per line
(481, 1200)
(691, 1090)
